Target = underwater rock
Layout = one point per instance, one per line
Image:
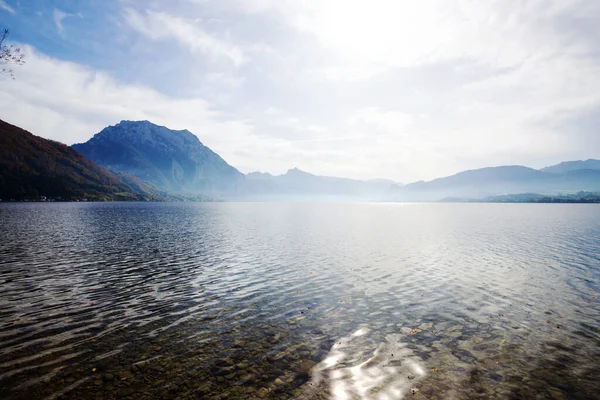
(304, 367)
(125, 375)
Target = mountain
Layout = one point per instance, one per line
(146, 160)
(568, 166)
(384, 182)
(256, 175)
(496, 181)
(170, 159)
(31, 167)
(296, 183)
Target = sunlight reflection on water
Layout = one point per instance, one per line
(388, 373)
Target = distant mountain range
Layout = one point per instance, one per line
(172, 160)
(504, 180)
(295, 183)
(176, 161)
(569, 166)
(32, 167)
(147, 161)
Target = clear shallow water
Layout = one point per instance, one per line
(311, 301)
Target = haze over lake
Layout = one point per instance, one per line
(299, 300)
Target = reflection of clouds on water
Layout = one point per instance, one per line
(353, 373)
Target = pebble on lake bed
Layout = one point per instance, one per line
(125, 375)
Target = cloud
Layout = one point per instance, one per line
(387, 121)
(369, 38)
(222, 79)
(272, 111)
(58, 17)
(281, 124)
(160, 25)
(72, 102)
(468, 84)
(4, 6)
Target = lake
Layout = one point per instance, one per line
(299, 300)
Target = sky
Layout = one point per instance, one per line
(403, 90)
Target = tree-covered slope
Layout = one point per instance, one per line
(31, 167)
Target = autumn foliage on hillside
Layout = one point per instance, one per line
(31, 167)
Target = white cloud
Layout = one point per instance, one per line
(490, 81)
(347, 72)
(284, 125)
(273, 111)
(4, 6)
(69, 102)
(58, 17)
(222, 79)
(160, 25)
(387, 121)
(371, 37)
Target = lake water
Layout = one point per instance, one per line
(308, 301)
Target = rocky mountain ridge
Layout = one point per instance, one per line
(173, 160)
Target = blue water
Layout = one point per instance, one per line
(284, 300)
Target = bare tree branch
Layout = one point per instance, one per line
(9, 54)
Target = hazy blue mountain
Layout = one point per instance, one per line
(573, 166)
(259, 175)
(384, 182)
(580, 180)
(170, 159)
(507, 174)
(496, 181)
(177, 161)
(296, 182)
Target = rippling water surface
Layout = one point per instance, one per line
(309, 301)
